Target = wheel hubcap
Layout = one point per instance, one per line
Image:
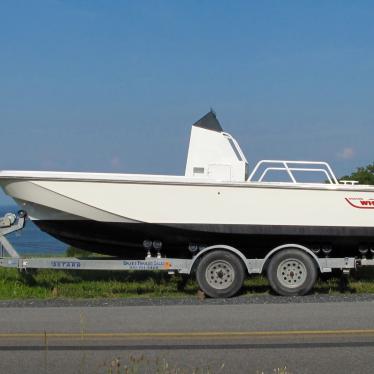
(220, 274)
(291, 273)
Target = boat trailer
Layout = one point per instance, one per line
(10, 258)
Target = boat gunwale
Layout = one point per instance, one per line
(178, 181)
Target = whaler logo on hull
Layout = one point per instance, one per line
(361, 203)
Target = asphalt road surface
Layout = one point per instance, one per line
(326, 337)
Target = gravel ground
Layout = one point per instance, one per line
(263, 299)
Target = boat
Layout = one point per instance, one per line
(217, 201)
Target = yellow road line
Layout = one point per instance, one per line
(185, 335)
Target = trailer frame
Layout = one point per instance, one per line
(220, 269)
(10, 258)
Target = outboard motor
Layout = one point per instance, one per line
(214, 154)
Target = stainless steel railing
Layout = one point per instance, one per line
(265, 166)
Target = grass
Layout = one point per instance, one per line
(136, 364)
(87, 284)
(160, 365)
(44, 284)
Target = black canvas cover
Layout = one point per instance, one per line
(209, 122)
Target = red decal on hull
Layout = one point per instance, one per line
(360, 203)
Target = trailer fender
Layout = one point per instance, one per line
(294, 246)
(228, 248)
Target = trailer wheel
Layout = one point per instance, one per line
(292, 272)
(220, 274)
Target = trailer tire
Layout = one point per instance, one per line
(291, 272)
(220, 274)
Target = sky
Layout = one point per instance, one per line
(114, 86)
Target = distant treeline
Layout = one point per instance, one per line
(363, 175)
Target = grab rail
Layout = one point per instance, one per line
(315, 166)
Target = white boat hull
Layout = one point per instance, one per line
(115, 216)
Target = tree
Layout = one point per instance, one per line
(364, 175)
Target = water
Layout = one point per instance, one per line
(31, 240)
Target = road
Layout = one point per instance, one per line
(333, 337)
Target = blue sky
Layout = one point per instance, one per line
(115, 85)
